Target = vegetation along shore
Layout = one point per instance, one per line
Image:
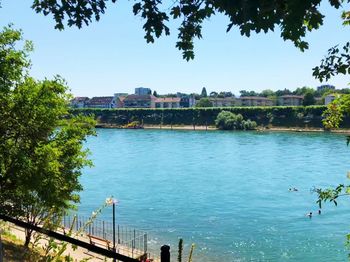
(292, 117)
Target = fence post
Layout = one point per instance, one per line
(165, 253)
(118, 236)
(103, 229)
(145, 243)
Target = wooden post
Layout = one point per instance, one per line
(165, 253)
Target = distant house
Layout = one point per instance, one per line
(167, 102)
(186, 100)
(254, 101)
(329, 98)
(101, 102)
(222, 102)
(290, 100)
(141, 91)
(139, 101)
(79, 102)
(119, 99)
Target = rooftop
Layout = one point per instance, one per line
(97, 100)
(168, 99)
(255, 98)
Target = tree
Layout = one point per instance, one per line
(309, 99)
(267, 93)
(213, 94)
(304, 90)
(293, 18)
(229, 121)
(204, 92)
(248, 93)
(283, 92)
(41, 145)
(204, 102)
(155, 93)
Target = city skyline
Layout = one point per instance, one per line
(112, 56)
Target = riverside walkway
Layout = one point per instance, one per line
(124, 246)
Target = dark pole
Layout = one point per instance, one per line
(165, 253)
(114, 260)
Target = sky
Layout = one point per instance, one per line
(111, 56)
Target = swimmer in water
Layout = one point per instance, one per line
(309, 215)
(319, 211)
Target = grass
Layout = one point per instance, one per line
(13, 249)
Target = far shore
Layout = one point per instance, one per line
(213, 128)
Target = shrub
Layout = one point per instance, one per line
(230, 121)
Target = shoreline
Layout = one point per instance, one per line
(212, 128)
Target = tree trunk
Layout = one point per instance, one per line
(28, 237)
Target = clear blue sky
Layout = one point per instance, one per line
(111, 55)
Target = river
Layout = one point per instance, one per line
(227, 192)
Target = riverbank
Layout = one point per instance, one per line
(213, 128)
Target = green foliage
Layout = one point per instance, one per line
(294, 19)
(41, 150)
(300, 91)
(336, 62)
(229, 121)
(267, 93)
(248, 93)
(204, 92)
(283, 116)
(336, 112)
(204, 102)
(309, 99)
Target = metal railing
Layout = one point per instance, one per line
(128, 240)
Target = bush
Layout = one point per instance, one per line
(249, 125)
(230, 121)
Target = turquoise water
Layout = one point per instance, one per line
(225, 191)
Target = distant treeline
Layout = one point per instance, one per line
(297, 116)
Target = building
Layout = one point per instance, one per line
(323, 87)
(139, 101)
(167, 102)
(186, 100)
(254, 101)
(223, 102)
(79, 102)
(290, 100)
(119, 99)
(329, 98)
(141, 91)
(101, 102)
